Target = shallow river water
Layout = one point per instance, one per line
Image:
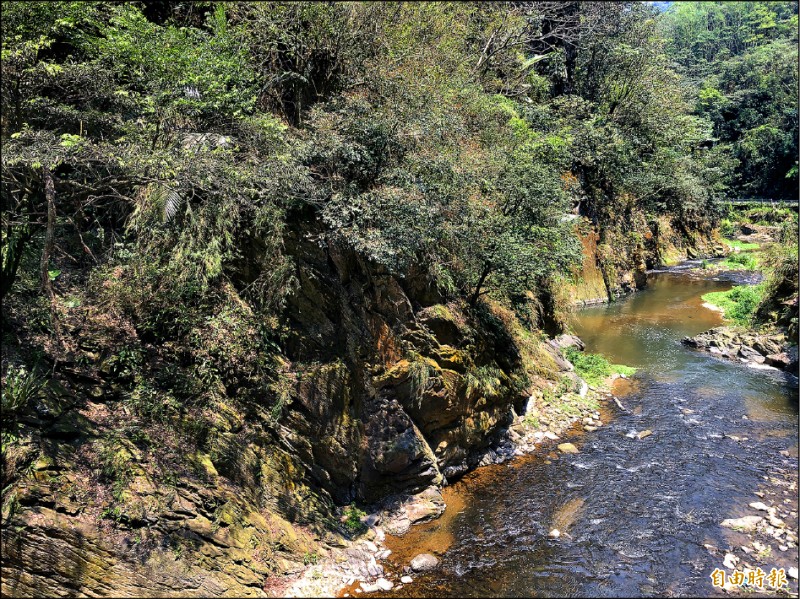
(634, 514)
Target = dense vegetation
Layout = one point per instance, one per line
(264, 260)
(594, 368)
(159, 156)
(741, 60)
(165, 139)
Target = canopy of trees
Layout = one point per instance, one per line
(454, 135)
(740, 60)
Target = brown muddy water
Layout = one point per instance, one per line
(636, 513)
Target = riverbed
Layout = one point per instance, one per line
(638, 517)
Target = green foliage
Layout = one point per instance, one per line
(594, 368)
(484, 381)
(740, 245)
(780, 289)
(20, 386)
(739, 304)
(745, 260)
(420, 373)
(742, 58)
(310, 558)
(352, 519)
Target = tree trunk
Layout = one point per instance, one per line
(474, 299)
(49, 242)
(12, 255)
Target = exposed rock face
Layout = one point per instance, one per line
(400, 417)
(392, 392)
(616, 259)
(177, 544)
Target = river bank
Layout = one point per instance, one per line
(388, 555)
(642, 505)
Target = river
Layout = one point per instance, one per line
(634, 514)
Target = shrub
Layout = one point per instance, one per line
(739, 303)
(19, 387)
(593, 368)
(352, 519)
(745, 259)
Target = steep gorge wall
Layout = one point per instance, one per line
(393, 390)
(616, 256)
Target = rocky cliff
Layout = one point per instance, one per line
(184, 480)
(387, 390)
(616, 256)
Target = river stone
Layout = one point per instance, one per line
(758, 505)
(380, 536)
(398, 526)
(554, 534)
(792, 573)
(781, 360)
(424, 561)
(551, 435)
(776, 522)
(750, 354)
(406, 580)
(730, 561)
(567, 448)
(644, 434)
(384, 584)
(369, 588)
(746, 524)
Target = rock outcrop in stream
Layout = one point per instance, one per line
(772, 349)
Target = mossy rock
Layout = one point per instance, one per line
(394, 376)
(203, 462)
(451, 358)
(446, 326)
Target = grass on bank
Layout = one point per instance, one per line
(738, 304)
(740, 245)
(594, 368)
(744, 260)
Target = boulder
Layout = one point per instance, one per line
(745, 524)
(567, 448)
(750, 354)
(565, 341)
(423, 562)
(781, 360)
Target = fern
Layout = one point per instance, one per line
(158, 201)
(20, 386)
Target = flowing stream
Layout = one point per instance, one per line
(634, 514)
